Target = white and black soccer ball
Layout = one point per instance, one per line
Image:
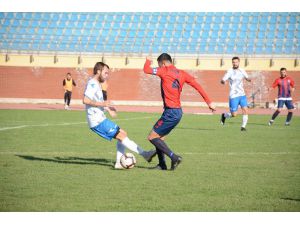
(128, 160)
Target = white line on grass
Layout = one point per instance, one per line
(106, 151)
(66, 124)
(241, 153)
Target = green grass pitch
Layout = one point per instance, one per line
(51, 161)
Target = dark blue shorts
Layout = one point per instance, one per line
(169, 119)
(288, 103)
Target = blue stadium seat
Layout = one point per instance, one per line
(2, 15)
(6, 23)
(261, 34)
(251, 35)
(225, 27)
(240, 47)
(232, 35)
(245, 20)
(199, 20)
(214, 35)
(259, 48)
(236, 19)
(290, 34)
(224, 34)
(43, 24)
(293, 18)
(216, 27)
(273, 19)
(242, 35)
(36, 16)
(264, 19)
(227, 19)
(281, 27)
(55, 17)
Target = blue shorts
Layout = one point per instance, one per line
(169, 119)
(235, 102)
(288, 103)
(106, 129)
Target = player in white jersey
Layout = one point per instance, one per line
(237, 96)
(97, 121)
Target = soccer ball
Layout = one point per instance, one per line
(128, 160)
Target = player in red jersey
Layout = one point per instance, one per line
(285, 86)
(172, 81)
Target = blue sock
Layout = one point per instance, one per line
(289, 117)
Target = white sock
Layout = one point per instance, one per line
(245, 120)
(227, 115)
(131, 145)
(120, 151)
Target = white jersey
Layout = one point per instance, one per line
(235, 77)
(95, 115)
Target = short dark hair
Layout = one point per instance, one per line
(164, 57)
(99, 66)
(283, 68)
(235, 57)
(69, 73)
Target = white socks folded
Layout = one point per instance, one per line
(120, 150)
(227, 115)
(245, 118)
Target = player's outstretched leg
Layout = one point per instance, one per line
(131, 145)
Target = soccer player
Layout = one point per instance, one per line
(172, 81)
(68, 84)
(285, 86)
(237, 96)
(98, 123)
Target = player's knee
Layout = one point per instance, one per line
(149, 137)
(233, 114)
(122, 133)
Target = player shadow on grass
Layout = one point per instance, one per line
(76, 160)
(291, 199)
(70, 160)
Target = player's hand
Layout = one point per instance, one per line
(112, 113)
(111, 108)
(106, 104)
(149, 58)
(212, 107)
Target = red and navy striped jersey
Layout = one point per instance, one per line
(284, 86)
(172, 81)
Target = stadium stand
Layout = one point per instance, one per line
(137, 33)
